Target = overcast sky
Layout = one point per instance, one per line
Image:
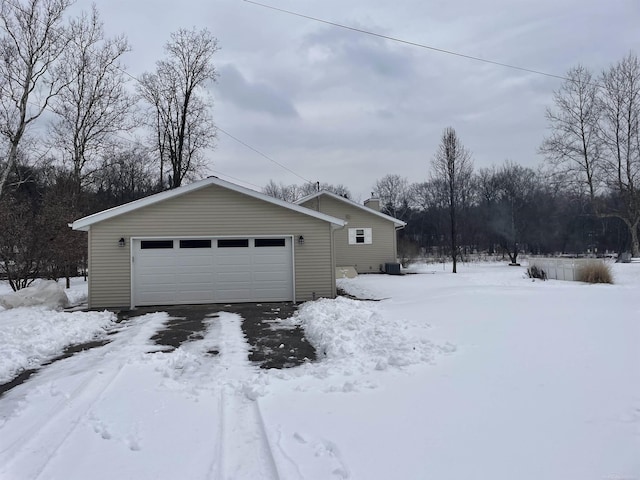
(341, 107)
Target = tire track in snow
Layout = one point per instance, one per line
(34, 449)
(245, 451)
(38, 451)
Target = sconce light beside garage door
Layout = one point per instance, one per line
(121, 242)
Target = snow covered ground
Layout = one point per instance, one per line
(30, 337)
(482, 374)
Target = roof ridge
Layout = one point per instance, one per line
(353, 203)
(85, 223)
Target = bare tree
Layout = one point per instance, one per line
(20, 242)
(292, 193)
(452, 165)
(180, 108)
(395, 195)
(427, 195)
(574, 148)
(488, 184)
(30, 47)
(94, 105)
(125, 175)
(595, 140)
(288, 193)
(620, 131)
(517, 186)
(312, 187)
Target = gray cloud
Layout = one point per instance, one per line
(350, 50)
(253, 96)
(342, 107)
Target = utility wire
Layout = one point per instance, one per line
(137, 80)
(407, 42)
(263, 155)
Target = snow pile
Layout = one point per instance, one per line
(77, 294)
(354, 288)
(344, 329)
(46, 293)
(31, 336)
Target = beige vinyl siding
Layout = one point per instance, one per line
(364, 258)
(209, 211)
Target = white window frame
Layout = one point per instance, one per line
(365, 234)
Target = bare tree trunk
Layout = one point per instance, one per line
(452, 217)
(11, 160)
(633, 231)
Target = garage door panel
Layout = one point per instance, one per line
(274, 295)
(231, 268)
(209, 275)
(195, 261)
(183, 273)
(193, 279)
(154, 262)
(232, 259)
(269, 259)
(268, 267)
(233, 277)
(155, 298)
(272, 287)
(195, 296)
(231, 295)
(267, 277)
(166, 289)
(159, 279)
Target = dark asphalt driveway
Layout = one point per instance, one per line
(274, 344)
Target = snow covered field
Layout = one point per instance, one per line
(483, 374)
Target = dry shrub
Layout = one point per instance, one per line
(536, 272)
(594, 272)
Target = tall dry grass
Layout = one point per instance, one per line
(595, 271)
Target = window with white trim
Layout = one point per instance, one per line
(360, 236)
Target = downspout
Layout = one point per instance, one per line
(334, 229)
(395, 241)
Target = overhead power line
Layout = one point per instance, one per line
(407, 42)
(263, 155)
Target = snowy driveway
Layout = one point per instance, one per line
(273, 343)
(148, 413)
(483, 374)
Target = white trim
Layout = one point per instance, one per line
(196, 237)
(293, 265)
(397, 222)
(86, 222)
(131, 260)
(368, 236)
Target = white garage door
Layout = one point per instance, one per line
(212, 270)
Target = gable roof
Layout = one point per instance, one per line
(398, 223)
(86, 222)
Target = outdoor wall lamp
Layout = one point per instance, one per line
(121, 242)
(300, 240)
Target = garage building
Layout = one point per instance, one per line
(208, 242)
